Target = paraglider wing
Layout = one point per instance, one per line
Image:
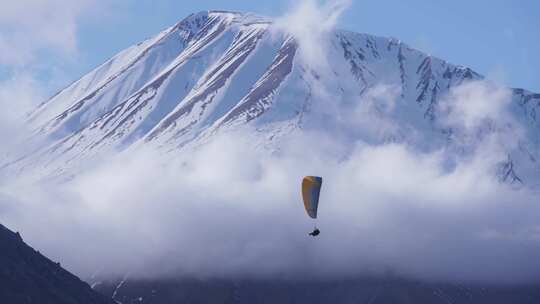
(311, 188)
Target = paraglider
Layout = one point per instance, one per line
(311, 189)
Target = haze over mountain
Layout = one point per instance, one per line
(182, 155)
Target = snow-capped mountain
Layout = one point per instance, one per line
(215, 71)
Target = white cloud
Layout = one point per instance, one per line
(482, 126)
(33, 35)
(18, 95)
(373, 112)
(473, 103)
(309, 22)
(30, 26)
(229, 209)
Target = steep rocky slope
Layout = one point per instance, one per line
(26, 276)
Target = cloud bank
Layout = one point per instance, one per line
(227, 209)
(31, 26)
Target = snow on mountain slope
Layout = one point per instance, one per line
(115, 80)
(216, 71)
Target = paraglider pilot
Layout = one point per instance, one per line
(315, 232)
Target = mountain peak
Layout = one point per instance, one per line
(218, 70)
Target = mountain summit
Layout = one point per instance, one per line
(217, 70)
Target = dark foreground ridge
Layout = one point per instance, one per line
(26, 276)
(359, 290)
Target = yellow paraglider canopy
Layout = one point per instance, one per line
(311, 189)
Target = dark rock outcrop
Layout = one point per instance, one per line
(26, 276)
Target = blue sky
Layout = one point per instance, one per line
(496, 38)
